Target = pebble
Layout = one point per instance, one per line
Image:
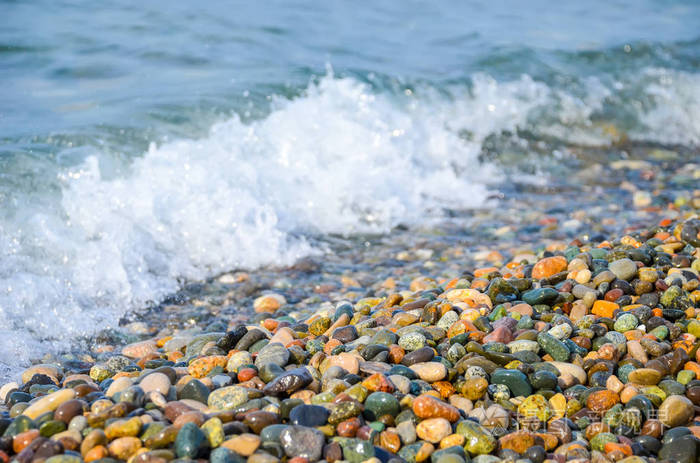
(300, 441)
(624, 269)
(155, 382)
(676, 410)
(245, 444)
(430, 371)
(227, 398)
(48, 403)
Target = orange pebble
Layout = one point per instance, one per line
(657, 312)
(396, 353)
(96, 453)
(161, 342)
(451, 284)
(604, 308)
(270, 324)
(330, 345)
(614, 446)
(23, 439)
(246, 374)
(482, 272)
(693, 366)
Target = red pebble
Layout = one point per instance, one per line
(246, 374)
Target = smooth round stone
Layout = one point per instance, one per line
(543, 379)
(124, 447)
(48, 403)
(412, 341)
(344, 411)
(158, 382)
(190, 441)
(381, 403)
(676, 410)
(675, 433)
(448, 320)
(64, 459)
(224, 455)
(271, 433)
(422, 355)
(51, 427)
(300, 441)
(309, 415)
(536, 406)
(194, 390)
(553, 347)
(650, 443)
(244, 444)
(515, 380)
(237, 360)
(270, 371)
(626, 322)
(599, 440)
(645, 376)
(407, 432)
(259, 420)
(536, 454)
(430, 371)
(433, 429)
(289, 381)
(561, 331)
(478, 440)
(69, 409)
(119, 385)
(523, 345)
(671, 387)
(624, 269)
(272, 353)
(213, 429)
(357, 450)
(680, 450)
(345, 334)
(52, 371)
(227, 398)
(540, 296)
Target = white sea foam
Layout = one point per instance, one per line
(338, 159)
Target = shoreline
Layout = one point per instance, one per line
(540, 346)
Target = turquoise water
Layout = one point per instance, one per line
(143, 145)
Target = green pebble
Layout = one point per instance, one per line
(685, 376)
(190, 441)
(553, 347)
(479, 440)
(598, 442)
(515, 380)
(51, 427)
(380, 404)
(626, 322)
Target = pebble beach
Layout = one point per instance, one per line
(523, 334)
(350, 232)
